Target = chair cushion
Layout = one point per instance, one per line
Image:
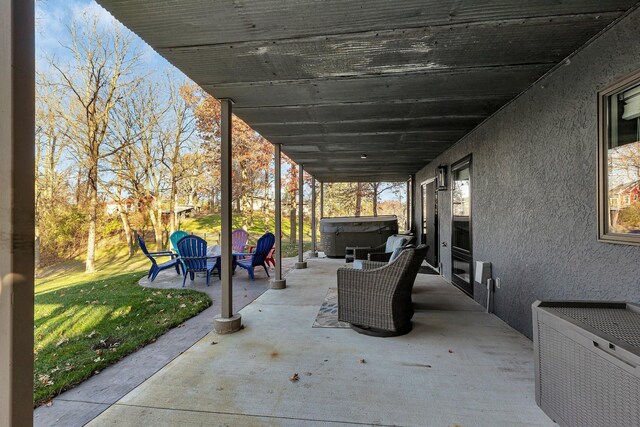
(357, 264)
(395, 242)
(396, 253)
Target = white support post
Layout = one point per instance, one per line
(321, 200)
(314, 249)
(227, 322)
(17, 77)
(301, 262)
(278, 282)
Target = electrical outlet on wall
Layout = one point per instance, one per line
(497, 283)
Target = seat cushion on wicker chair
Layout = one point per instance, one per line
(395, 242)
(395, 254)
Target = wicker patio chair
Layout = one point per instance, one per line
(377, 301)
(384, 251)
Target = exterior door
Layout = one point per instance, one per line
(429, 199)
(461, 244)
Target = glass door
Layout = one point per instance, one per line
(429, 198)
(461, 247)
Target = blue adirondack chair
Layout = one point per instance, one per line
(175, 238)
(155, 267)
(258, 257)
(194, 259)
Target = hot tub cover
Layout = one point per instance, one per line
(362, 224)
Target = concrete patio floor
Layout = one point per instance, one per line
(81, 404)
(459, 366)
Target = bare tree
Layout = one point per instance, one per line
(51, 140)
(376, 190)
(175, 136)
(97, 78)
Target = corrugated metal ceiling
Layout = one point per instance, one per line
(332, 79)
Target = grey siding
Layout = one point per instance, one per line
(534, 188)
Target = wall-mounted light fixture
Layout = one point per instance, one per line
(363, 156)
(442, 177)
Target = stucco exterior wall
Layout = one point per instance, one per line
(534, 194)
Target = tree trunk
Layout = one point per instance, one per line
(293, 228)
(375, 198)
(359, 199)
(78, 186)
(93, 219)
(156, 221)
(126, 226)
(172, 206)
(36, 248)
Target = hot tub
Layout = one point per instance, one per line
(338, 233)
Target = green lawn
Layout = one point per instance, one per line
(85, 322)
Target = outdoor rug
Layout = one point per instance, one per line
(328, 313)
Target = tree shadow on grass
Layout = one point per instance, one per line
(82, 329)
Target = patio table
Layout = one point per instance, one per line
(215, 251)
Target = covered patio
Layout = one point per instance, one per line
(459, 366)
(500, 95)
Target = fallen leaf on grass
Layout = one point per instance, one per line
(45, 380)
(92, 334)
(363, 361)
(169, 296)
(295, 377)
(183, 305)
(63, 341)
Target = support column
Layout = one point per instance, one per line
(413, 189)
(17, 176)
(278, 282)
(321, 200)
(226, 322)
(301, 262)
(314, 249)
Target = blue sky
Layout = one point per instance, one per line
(54, 17)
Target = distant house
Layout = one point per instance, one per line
(130, 204)
(624, 195)
(182, 211)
